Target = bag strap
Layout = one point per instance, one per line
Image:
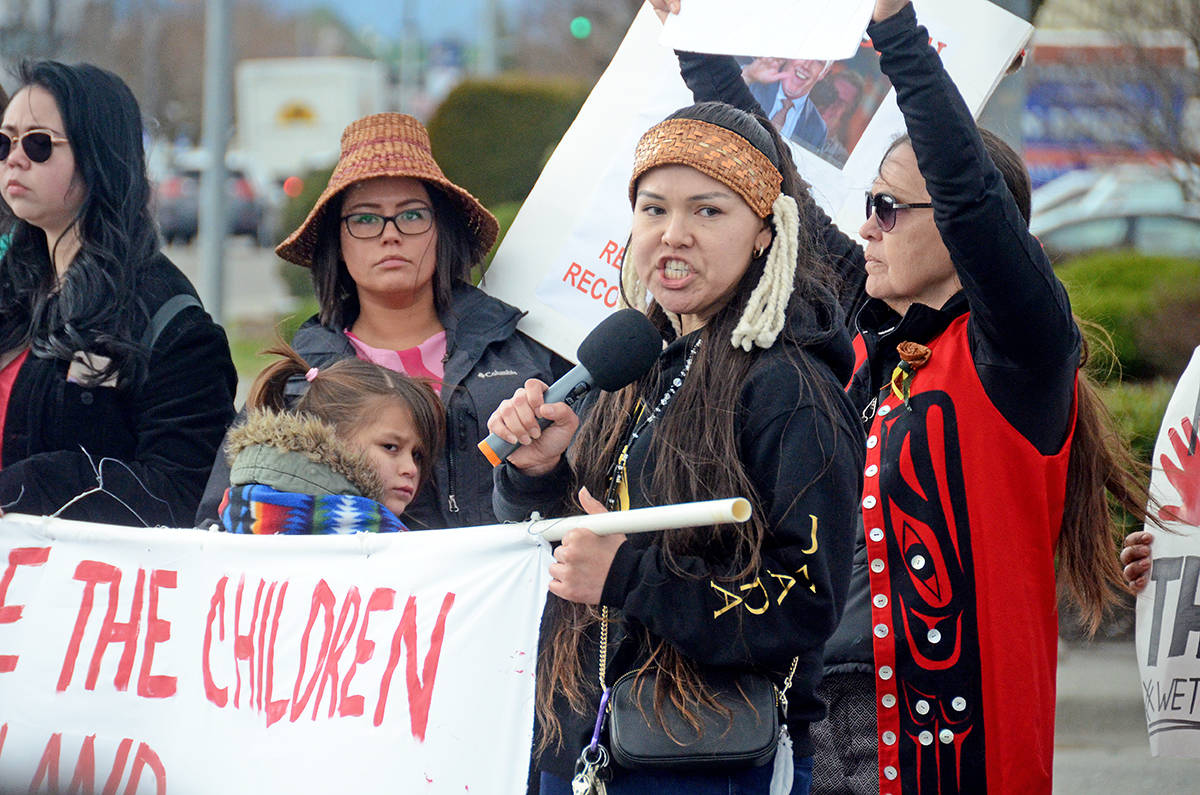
(780, 692)
(781, 699)
(165, 314)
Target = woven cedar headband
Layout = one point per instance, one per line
(721, 154)
(389, 145)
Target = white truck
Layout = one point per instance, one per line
(291, 111)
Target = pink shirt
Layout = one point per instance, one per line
(424, 361)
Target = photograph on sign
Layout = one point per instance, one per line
(823, 106)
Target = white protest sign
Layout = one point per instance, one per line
(830, 29)
(183, 661)
(1168, 611)
(560, 259)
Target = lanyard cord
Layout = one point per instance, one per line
(643, 421)
(617, 477)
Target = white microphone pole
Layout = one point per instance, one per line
(646, 520)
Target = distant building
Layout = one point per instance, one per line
(1090, 96)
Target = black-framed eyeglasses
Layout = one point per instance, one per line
(38, 144)
(409, 221)
(884, 205)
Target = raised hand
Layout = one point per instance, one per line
(764, 70)
(663, 7)
(1184, 476)
(887, 8)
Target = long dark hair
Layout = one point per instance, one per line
(337, 295)
(1103, 476)
(97, 306)
(5, 215)
(348, 393)
(695, 447)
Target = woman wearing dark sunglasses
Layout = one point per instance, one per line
(115, 385)
(390, 244)
(988, 455)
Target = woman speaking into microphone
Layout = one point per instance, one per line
(745, 399)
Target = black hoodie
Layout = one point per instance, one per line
(802, 447)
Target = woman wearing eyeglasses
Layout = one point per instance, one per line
(111, 373)
(390, 243)
(988, 455)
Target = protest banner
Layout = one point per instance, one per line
(184, 661)
(1168, 610)
(561, 258)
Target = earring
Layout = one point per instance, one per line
(758, 252)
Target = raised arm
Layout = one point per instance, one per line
(1019, 309)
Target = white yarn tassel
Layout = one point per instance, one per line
(785, 767)
(632, 288)
(766, 310)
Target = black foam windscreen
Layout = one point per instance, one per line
(620, 350)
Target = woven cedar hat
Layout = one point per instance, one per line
(389, 145)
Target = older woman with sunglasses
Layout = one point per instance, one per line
(390, 244)
(115, 385)
(988, 458)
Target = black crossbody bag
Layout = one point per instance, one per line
(740, 731)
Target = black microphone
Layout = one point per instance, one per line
(614, 354)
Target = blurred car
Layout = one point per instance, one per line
(177, 202)
(1145, 208)
(177, 207)
(1172, 233)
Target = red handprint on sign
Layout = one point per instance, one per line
(1184, 476)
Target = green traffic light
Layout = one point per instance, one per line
(581, 27)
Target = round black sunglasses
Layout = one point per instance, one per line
(884, 205)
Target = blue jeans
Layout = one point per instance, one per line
(753, 781)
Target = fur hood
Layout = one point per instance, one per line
(295, 451)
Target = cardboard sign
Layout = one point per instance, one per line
(1168, 611)
(183, 661)
(560, 260)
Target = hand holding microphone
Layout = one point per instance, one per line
(540, 421)
(528, 431)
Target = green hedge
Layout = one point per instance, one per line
(493, 136)
(1138, 408)
(505, 213)
(1150, 305)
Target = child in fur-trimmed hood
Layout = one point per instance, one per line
(347, 459)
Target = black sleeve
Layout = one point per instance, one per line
(516, 495)
(717, 78)
(806, 465)
(179, 416)
(1024, 341)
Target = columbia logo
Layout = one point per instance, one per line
(495, 373)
